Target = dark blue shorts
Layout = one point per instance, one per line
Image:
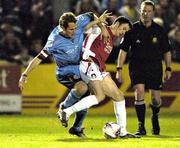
(68, 75)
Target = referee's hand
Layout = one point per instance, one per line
(119, 76)
(167, 75)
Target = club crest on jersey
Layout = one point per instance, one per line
(138, 41)
(154, 40)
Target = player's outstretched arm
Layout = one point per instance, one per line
(101, 19)
(32, 65)
(102, 22)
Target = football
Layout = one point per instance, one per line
(111, 130)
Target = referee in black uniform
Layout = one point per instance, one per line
(148, 44)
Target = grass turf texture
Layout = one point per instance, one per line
(23, 131)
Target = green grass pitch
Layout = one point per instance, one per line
(44, 131)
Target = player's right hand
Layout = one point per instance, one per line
(22, 81)
(119, 76)
(104, 16)
(167, 75)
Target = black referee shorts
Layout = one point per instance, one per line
(149, 74)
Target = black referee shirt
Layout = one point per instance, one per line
(147, 44)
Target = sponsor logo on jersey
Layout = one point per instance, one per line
(108, 48)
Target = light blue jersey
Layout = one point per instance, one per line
(66, 52)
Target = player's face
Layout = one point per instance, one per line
(70, 30)
(122, 29)
(147, 13)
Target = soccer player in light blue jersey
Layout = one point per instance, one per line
(65, 44)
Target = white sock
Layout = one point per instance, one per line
(84, 103)
(120, 112)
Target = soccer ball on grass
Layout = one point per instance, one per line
(111, 130)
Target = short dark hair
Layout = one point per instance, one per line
(148, 2)
(123, 20)
(66, 18)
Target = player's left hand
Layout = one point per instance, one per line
(167, 75)
(22, 81)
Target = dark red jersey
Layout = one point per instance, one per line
(95, 48)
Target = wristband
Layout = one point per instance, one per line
(168, 69)
(119, 68)
(24, 75)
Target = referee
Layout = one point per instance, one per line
(148, 45)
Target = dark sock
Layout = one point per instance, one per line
(79, 118)
(154, 119)
(155, 110)
(140, 112)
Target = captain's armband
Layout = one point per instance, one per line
(42, 55)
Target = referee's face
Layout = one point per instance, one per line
(147, 13)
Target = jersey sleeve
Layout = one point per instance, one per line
(84, 19)
(165, 43)
(125, 42)
(49, 46)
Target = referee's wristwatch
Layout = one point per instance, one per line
(118, 68)
(168, 69)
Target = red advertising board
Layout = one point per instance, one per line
(10, 97)
(9, 77)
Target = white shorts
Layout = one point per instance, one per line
(90, 71)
